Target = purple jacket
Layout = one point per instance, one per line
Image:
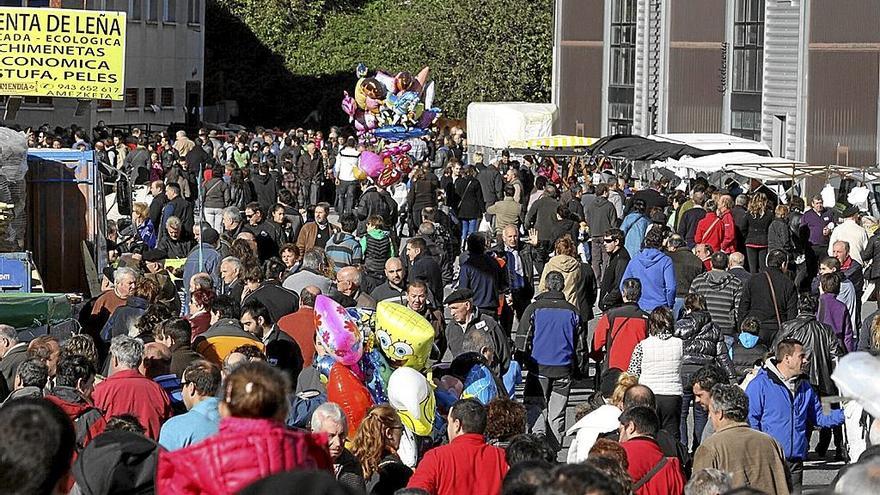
(834, 314)
(817, 223)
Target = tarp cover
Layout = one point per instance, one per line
(28, 310)
(497, 124)
(639, 148)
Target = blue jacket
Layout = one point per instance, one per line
(211, 264)
(776, 412)
(654, 269)
(482, 274)
(549, 327)
(199, 423)
(634, 227)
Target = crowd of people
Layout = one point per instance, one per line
(199, 366)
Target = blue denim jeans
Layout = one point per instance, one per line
(701, 415)
(468, 227)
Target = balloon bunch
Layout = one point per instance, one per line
(376, 359)
(386, 111)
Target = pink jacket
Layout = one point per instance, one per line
(242, 452)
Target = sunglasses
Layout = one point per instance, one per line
(607, 241)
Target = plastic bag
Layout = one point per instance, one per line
(855, 376)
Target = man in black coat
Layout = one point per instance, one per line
(687, 224)
(424, 267)
(759, 296)
(519, 270)
(178, 207)
(265, 187)
(542, 217)
(282, 351)
(137, 164)
(157, 191)
(491, 184)
(651, 196)
(618, 259)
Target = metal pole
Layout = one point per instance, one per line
(201, 201)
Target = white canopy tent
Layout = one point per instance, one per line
(746, 164)
(496, 124)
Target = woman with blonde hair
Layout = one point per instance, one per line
(602, 419)
(757, 225)
(252, 442)
(140, 218)
(375, 445)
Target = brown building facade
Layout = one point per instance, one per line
(802, 76)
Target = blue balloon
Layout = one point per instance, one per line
(398, 132)
(323, 365)
(376, 370)
(480, 384)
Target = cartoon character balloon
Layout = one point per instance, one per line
(338, 331)
(404, 336)
(410, 393)
(347, 390)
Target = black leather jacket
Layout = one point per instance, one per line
(820, 344)
(703, 343)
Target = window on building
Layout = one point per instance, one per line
(135, 10)
(194, 11)
(104, 104)
(623, 42)
(149, 98)
(748, 46)
(621, 82)
(170, 11)
(746, 124)
(37, 101)
(131, 98)
(167, 97)
(153, 10)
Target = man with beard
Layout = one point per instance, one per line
(317, 233)
(394, 288)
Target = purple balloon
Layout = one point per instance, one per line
(371, 164)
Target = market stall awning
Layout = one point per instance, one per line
(742, 163)
(553, 142)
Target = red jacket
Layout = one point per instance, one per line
(643, 454)
(728, 238)
(630, 326)
(710, 231)
(466, 465)
(243, 451)
(301, 327)
(129, 392)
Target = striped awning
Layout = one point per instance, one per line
(553, 142)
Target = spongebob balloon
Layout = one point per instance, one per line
(404, 336)
(412, 396)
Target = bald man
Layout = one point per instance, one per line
(394, 289)
(156, 365)
(736, 266)
(348, 284)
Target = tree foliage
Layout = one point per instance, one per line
(478, 50)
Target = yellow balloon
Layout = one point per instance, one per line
(359, 174)
(359, 97)
(413, 396)
(404, 336)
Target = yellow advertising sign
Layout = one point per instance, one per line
(62, 52)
